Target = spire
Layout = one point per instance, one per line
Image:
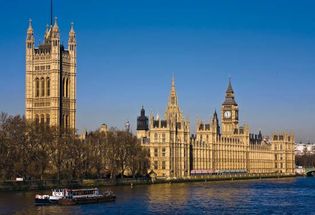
(230, 88)
(72, 27)
(55, 27)
(229, 95)
(215, 117)
(30, 27)
(30, 33)
(72, 33)
(173, 96)
(72, 40)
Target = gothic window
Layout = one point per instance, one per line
(42, 86)
(48, 120)
(163, 165)
(155, 137)
(163, 152)
(67, 87)
(36, 120)
(63, 87)
(42, 119)
(63, 121)
(48, 86)
(156, 152)
(163, 138)
(67, 121)
(36, 87)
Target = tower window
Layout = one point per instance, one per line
(36, 87)
(67, 88)
(48, 86)
(36, 120)
(42, 87)
(67, 121)
(42, 119)
(163, 165)
(63, 87)
(48, 120)
(163, 152)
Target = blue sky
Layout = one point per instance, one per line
(128, 51)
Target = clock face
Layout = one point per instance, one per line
(227, 114)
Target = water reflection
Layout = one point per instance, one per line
(277, 196)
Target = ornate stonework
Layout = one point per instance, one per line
(174, 153)
(50, 88)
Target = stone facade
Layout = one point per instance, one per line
(232, 149)
(168, 141)
(50, 88)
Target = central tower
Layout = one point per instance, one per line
(229, 112)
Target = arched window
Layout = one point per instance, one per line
(67, 88)
(48, 86)
(36, 87)
(36, 120)
(42, 87)
(42, 119)
(48, 120)
(63, 87)
(63, 121)
(67, 121)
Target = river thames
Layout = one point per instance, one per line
(268, 196)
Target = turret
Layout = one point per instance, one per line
(30, 39)
(72, 43)
(55, 38)
(142, 121)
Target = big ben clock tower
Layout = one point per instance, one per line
(229, 112)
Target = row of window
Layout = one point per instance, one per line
(42, 87)
(40, 119)
(156, 137)
(280, 137)
(45, 119)
(37, 68)
(156, 165)
(156, 152)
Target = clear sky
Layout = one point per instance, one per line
(128, 51)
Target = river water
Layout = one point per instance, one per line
(268, 196)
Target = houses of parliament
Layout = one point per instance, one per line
(216, 147)
(219, 145)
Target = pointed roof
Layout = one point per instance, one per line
(55, 27)
(72, 34)
(173, 96)
(72, 27)
(229, 95)
(30, 27)
(215, 115)
(230, 88)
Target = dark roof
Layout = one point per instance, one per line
(229, 97)
(230, 88)
(229, 101)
